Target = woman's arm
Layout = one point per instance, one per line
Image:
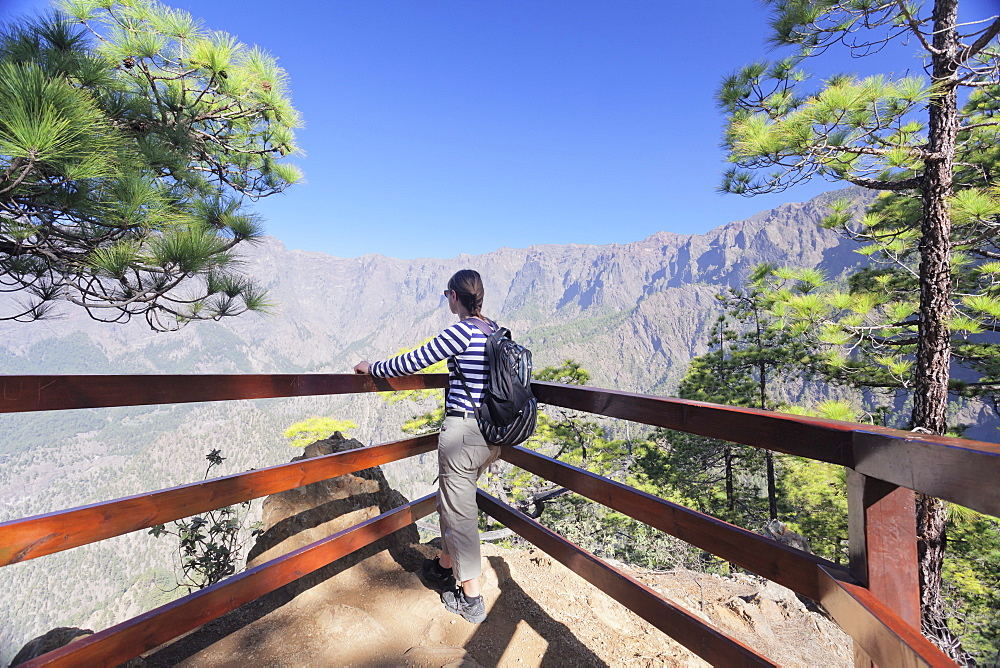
(452, 341)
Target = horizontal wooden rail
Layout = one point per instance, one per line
(785, 565)
(880, 632)
(32, 537)
(50, 393)
(955, 469)
(129, 639)
(703, 639)
(825, 440)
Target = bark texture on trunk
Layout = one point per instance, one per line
(730, 487)
(930, 395)
(772, 487)
(932, 515)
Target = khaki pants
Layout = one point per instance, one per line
(463, 455)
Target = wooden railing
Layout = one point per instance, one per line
(875, 600)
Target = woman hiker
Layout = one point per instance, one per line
(463, 453)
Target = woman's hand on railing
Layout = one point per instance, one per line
(362, 367)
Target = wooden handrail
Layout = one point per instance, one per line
(50, 393)
(129, 639)
(957, 470)
(954, 469)
(703, 639)
(32, 537)
(824, 440)
(878, 460)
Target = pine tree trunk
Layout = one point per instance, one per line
(772, 487)
(932, 514)
(730, 491)
(930, 396)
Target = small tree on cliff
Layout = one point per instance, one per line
(314, 429)
(130, 139)
(749, 349)
(897, 135)
(209, 546)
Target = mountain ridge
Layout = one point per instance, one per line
(541, 287)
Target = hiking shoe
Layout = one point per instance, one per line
(473, 611)
(435, 575)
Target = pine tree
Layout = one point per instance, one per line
(901, 135)
(130, 141)
(749, 350)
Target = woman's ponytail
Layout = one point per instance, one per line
(468, 287)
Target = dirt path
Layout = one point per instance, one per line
(540, 614)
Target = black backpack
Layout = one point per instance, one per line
(507, 413)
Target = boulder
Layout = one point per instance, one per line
(47, 642)
(301, 516)
(778, 531)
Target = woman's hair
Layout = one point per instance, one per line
(468, 287)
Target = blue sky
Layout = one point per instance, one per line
(440, 127)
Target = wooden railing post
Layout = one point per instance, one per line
(882, 536)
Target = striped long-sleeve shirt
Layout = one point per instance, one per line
(463, 344)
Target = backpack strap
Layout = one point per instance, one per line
(482, 325)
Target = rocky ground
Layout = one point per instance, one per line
(540, 614)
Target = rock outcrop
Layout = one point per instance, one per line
(49, 641)
(301, 516)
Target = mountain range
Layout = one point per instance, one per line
(645, 303)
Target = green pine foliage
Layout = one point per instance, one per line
(750, 352)
(871, 131)
(814, 504)
(855, 336)
(705, 474)
(750, 349)
(905, 135)
(310, 430)
(869, 328)
(132, 139)
(972, 581)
